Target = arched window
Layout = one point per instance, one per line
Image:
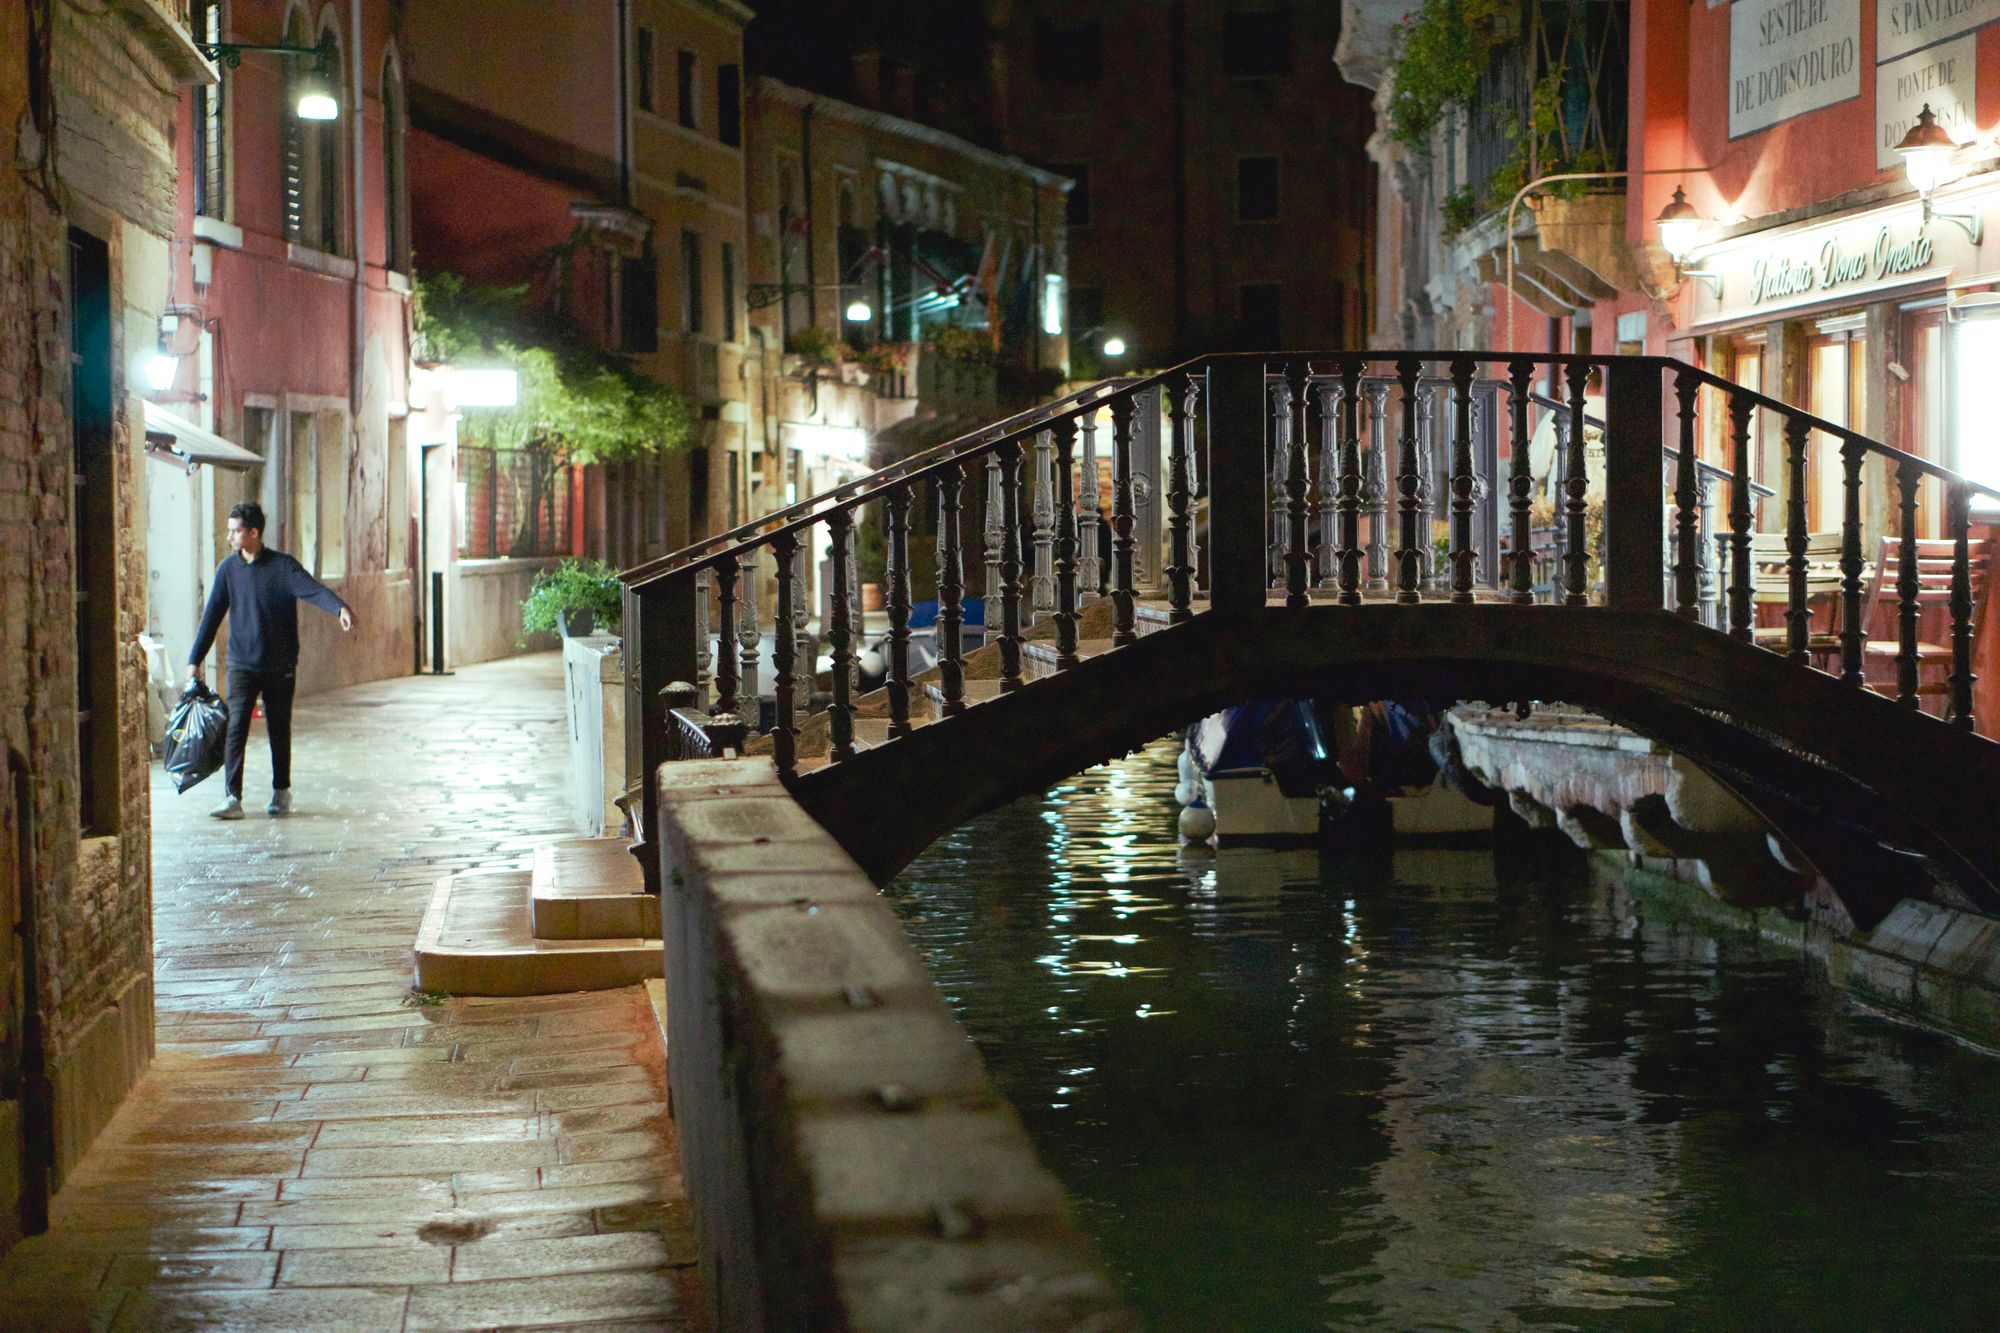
(395, 174)
(314, 176)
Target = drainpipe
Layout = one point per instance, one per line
(38, 1121)
(806, 169)
(360, 138)
(624, 107)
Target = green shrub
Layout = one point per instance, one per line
(573, 585)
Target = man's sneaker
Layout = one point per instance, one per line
(281, 803)
(229, 809)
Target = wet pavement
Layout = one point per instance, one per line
(317, 1147)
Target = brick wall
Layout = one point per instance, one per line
(91, 898)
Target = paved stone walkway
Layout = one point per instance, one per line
(317, 1148)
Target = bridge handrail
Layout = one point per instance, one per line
(805, 512)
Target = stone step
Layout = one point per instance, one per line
(1038, 657)
(477, 938)
(976, 692)
(591, 889)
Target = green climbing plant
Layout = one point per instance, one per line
(1441, 50)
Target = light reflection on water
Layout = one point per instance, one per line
(1357, 1094)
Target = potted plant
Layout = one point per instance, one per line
(573, 598)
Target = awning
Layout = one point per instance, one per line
(173, 439)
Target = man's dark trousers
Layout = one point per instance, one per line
(244, 689)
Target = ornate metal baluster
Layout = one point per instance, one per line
(898, 572)
(1124, 628)
(1798, 616)
(1278, 399)
(725, 636)
(1426, 488)
(1375, 487)
(1558, 513)
(1576, 487)
(1687, 504)
(1409, 484)
(1520, 486)
(749, 639)
(1042, 584)
(1853, 630)
(704, 654)
(1710, 542)
(1089, 509)
(1347, 546)
(840, 636)
(1960, 712)
(1462, 557)
(1065, 436)
(1297, 578)
(854, 620)
(1327, 398)
(1180, 501)
(784, 658)
(951, 591)
(1740, 518)
(989, 534)
(1010, 567)
(1908, 587)
(1197, 574)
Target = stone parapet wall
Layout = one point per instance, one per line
(850, 1163)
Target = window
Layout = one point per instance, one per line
(1256, 43)
(728, 292)
(1078, 212)
(211, 126)
(729, 104)
(313, 158)
(1836, 382)
(1263, 323)
(1976, 398)
(1052, 303)
(1256, 189)
(648, 72)
(1924, 404)
(1086, 309)
(639, 304)
(301, 514)
(94, 561)
(697, 492)
(395, 172)
(691, 281)
(689, 91)
(330, 448)
(518, 504)
(399, 492)
(1072, 53)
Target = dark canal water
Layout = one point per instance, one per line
(1295, 1093)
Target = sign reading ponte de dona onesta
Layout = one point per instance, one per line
(1788, 57)
(1852, 258)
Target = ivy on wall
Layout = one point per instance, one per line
(1442, 49)
(578, 403)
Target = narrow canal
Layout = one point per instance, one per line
(1289, 1092)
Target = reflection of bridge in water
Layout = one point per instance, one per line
(1271, 533)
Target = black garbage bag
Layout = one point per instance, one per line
(195, 735)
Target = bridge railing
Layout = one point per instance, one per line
(1237, 481)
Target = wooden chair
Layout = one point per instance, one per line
(1771, 584)
(1881, 623)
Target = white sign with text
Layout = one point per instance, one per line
(1903, 26)
(1940, 77)
(1788, 57)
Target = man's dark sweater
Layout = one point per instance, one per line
(262, 599)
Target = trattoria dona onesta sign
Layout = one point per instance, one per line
(1849, 258)
(1783, 276)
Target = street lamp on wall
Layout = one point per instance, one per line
(1929, 154)
(317, 99)
(1681, 228)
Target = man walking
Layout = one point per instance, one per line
(259, 589)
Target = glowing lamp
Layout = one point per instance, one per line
(1114, 346)
(1927, 151)
(1680, 227)
(859, 312)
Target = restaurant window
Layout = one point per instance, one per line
(1836, 388)
(1975, 396)
(1926, 409)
